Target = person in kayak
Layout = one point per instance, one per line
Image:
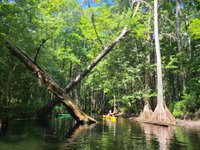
(110, 113)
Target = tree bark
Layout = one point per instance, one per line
(95, 30)
(187, 24)
(147, 111)
(161, 114)
(75, 112)
(160, 97)
(75, 81)
(182, 74)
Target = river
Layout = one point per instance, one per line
(124, 134)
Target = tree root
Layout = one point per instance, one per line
(162, 115)
(146, 114)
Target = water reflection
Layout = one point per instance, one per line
(78, 129)
(110, 124)
(3, 126)
(124, 134)
(71, 138)
(164, 135)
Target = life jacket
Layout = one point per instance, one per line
(111, 115)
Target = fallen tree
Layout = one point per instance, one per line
(43, 111)
(59, 93)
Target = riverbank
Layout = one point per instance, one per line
(189, 124)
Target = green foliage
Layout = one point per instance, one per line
(194, 28)
(187, 104)
(172, 64)
(179, 108)
(73, 41)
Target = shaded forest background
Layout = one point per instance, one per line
(63, 36)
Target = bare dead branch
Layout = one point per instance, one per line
(38, 49)
(95, 30)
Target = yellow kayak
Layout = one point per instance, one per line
(112, 118)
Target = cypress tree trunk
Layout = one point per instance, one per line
(147, 111)
(182, 74)
(161, 114)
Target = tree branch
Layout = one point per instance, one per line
(95, 30)
(136, 9)
(38, 49)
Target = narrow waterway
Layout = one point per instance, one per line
(64, 134)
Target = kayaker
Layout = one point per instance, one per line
(110, 113)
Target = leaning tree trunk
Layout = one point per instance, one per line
(75, 81)
(75, 112)
(161, 114)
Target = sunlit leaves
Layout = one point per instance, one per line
(172, 64)
(195, 28)
(72, 43)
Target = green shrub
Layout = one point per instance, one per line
(179, 108)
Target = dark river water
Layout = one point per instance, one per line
(64, 134)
